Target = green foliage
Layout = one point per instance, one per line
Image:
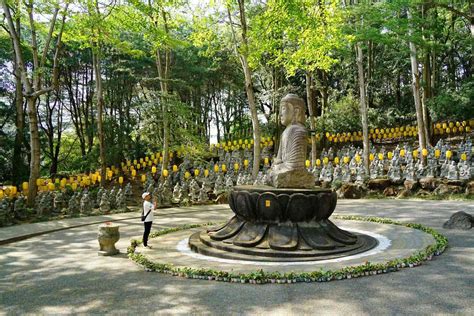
(343, 116)
(454, 104)
(261, 277)
(298, 34)
(287, 38)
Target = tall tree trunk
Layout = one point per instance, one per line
(416, 90)
(100, 112)
(427, 92)
(324, 92)
(18, 158)
(248, 83)
(276, 84)
(363, 104)
(370, 70)
(253, 113)
(35, 149)
(310, 99)
(162, 73)
(426, 96)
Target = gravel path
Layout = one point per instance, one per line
(61, 273)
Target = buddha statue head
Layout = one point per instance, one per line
(292, 110)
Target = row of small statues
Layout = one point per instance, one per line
(394, 171)
(64, 203)
(199, 189)
(441, 145)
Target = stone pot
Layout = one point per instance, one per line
(108, 235)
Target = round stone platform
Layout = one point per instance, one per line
(280, 224)
(394, 242)
(202, 243)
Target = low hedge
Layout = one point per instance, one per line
(260, 276)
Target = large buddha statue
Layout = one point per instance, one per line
(288, 169)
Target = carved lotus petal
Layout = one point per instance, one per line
(338, 234)
(283, 199)
(268, 207)
(316, 237)
(229, 230)
(250, 235)
(243, 204)
(300, 208)
(283, 237)
(327, 204)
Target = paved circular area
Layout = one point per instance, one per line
(395, 242)
(61, 273)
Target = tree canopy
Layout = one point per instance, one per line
(86, 84)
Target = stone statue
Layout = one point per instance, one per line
(19, 207)
(331, 153)
(240, 179)
(193, 191)
(203, 197)
(229, 183)
(128, 190)
(5, 212)
(73, 206)
(395, 173)
(86, 205)
(219, 185)
(316, 172)
(420, 169)
(288, 169)
(46, 204)
(120, 202)
(176, 191)
(166, 193)
(346, 174)
(99, 197)
(410, 172)
(259, 179)
(112, 198)
(353, 164)
(361, 174)
(157, 195)
(453, 173)
(326, 173)
(337, 173)
(183, 194)
(104, 203)
(59, 202)
(464, 171)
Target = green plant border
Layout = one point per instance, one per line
(261, 277)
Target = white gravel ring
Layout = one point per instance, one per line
(383, 244)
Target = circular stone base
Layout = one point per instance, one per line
(108, 253)
(200, 242)
(394, 242)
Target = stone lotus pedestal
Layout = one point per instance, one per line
(108, 235)
(280, 224)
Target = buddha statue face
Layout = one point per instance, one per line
(292, 110)
(286, 113)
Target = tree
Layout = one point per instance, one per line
(242, 50)
(422, 137)
(307, 34)
(32, 78)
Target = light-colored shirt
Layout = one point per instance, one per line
(148, 207)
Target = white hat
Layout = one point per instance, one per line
(144, 195)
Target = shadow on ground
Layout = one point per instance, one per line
(62, 273)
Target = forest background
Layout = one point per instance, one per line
(86, 84)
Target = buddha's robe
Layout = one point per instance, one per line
(292, 151)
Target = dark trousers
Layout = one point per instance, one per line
(146, 233)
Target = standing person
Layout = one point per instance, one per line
(147, 216)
